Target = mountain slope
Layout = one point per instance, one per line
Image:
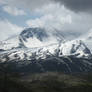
(40, 42)
(10, 43)
(30, 38)
(36, 48)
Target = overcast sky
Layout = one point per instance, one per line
(64, 15)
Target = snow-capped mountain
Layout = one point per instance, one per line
(36, 37)
(37, 44)
(41, 41)
(30, 38)
(71, 48)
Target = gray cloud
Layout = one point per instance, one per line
(77, 5)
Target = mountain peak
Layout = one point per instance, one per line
(39, 33)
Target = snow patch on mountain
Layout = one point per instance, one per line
(10, 43)
(75, 47)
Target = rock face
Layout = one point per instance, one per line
(35, 48)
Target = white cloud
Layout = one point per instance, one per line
(54, 16)
(50, 21)
(61, 18)
(13, 11)
(8, 29)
